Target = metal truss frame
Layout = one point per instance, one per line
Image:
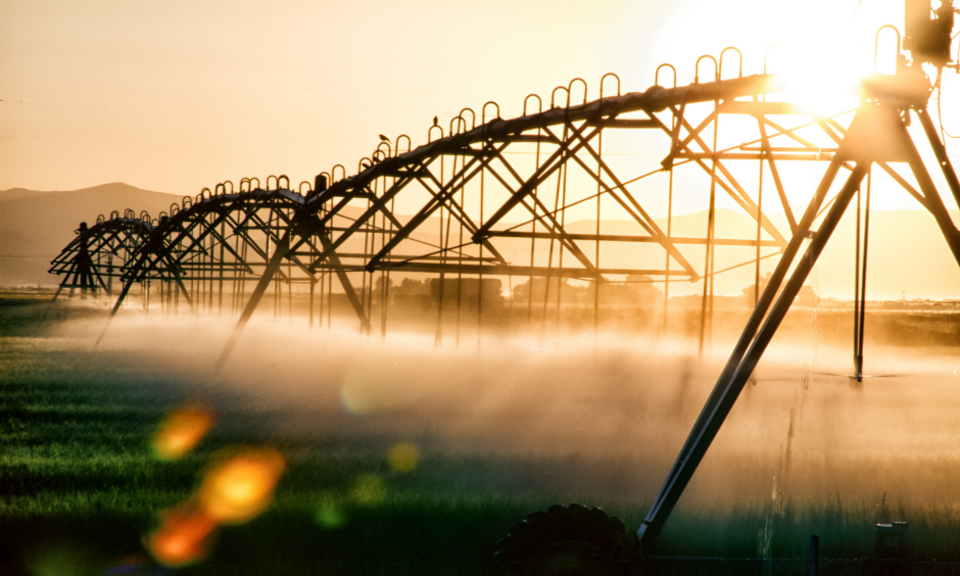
(488, 193)
(98, 254)
(877, 135)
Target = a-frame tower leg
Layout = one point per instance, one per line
(282, 249)
(874, 135)
(762, 326)
(749, 348)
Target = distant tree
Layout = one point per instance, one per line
(411, 287)
(467, 291)
(644, 289)
(382, 282)
(749, 293)
(638, 290)
(806, 297)
(538, 287)
(411, 294)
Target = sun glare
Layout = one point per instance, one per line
(181, 431)
(234, 490)
(403, 457)
(821, 80)
(368, 490)
(821, 48)
(241, 487)
(330, 515)
(183, 537)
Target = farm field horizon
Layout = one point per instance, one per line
(522, 424)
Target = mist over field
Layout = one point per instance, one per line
(493, 430)
(613, 409)
(496, 255)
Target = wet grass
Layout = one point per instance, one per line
(78, 482)
(76, 473)
(79, 487)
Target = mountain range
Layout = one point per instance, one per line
(907, 255)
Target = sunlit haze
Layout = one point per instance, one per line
(371, 280)
(175, 96)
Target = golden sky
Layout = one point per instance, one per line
(176, 95)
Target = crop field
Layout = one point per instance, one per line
(403, 458)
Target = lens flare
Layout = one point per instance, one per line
(368, 490)
(330, 515)
(183, 537)
(241, 487)
(403, 457)
(361, 398)
(180, 431)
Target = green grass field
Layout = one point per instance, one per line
(79, 486)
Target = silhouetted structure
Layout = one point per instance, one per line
(491, 190)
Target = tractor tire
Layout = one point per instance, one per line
(569, 541)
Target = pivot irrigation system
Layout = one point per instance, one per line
(491, 190)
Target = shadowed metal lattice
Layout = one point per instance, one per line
(531, 197)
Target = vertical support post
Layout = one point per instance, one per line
(385, 303)
(666, 277)
(814, 554)
(329, 299)
(856, 285)
(563, 223)
(213, 269)
(313, 284)
(438, 336)
(596, 260)
(533, 242)
(367, 249)
(535, 193)
(861, 298)
(556, 205)
(756, 275)
(480, 276)
(387, 222)
(459, 259)
(706, 304)
(223, 239)
(596, 292)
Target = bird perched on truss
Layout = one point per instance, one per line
(436, 121)
(384, 139)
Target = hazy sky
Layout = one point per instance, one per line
(174, 95)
